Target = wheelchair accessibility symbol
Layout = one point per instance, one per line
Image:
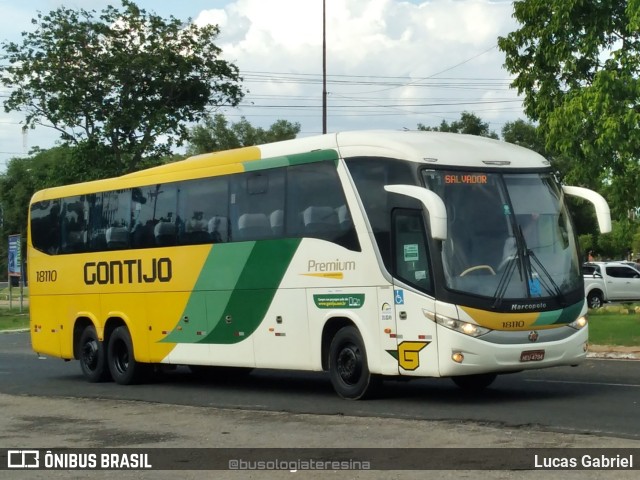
(398, 297)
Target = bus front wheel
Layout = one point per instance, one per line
(348, 367)
(123, 366)
(92, 356)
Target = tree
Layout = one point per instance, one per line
(577, 64)
(217, 134)
(23, 176)
(469, 123)
(617, 244)
(524, 134)
(121, 86)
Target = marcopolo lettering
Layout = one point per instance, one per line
(528, 306)
(128, 271)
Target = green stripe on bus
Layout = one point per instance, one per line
(261, 276)
(297, 159)
(211, 293)
(558, 317)
(234, 291)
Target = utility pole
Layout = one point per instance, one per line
(324, 66)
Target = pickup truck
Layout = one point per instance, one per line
(610, 282)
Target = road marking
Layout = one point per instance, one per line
(586, 383)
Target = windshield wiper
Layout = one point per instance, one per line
(518, 255)
(553, 287)
(526, 257)
(505, 278)
(545, 280)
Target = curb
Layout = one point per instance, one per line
(615, 355)
(17, 330)
(614, 352)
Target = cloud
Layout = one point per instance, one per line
(390, 63)
(377, 39)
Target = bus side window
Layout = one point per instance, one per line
(109, 220)
(74, 225)
(203, 204)
(255, 196)
(370, 175)
(153, 215)
(45, 226)
(316, 205)
(411, 260)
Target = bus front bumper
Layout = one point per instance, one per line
(460, 354)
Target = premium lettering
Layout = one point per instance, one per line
(128, 271)
(337, 265)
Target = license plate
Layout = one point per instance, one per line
(532, 356)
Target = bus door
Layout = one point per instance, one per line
(416, 334)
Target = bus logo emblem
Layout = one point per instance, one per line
(533, 336)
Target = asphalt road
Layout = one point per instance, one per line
(600, 397)
(46, 404)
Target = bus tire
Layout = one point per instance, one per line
(124, 369)
(92, 356)
(474, 383)
(348, 368)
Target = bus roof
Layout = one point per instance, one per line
(450, 149)
(439, 148)
(435, 148)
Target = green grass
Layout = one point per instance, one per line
(615, 325)
(11, 319)
(15, 293)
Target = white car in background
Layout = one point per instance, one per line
(610, 282)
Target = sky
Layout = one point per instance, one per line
(390, 64)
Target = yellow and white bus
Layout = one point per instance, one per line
(364, 254)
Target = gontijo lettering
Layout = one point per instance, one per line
(128, 271)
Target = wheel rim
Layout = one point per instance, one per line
(349, 364)
(121, 357)
(90, 354)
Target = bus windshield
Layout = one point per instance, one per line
(509, 235)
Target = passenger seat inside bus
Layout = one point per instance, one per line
(320, 220)
(218, 229)
(277, 222)
(253, 226)
(117, 237)
(344, 218)
(165, 233)
(195, 231)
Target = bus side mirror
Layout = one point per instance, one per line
(602, 207)
(431, 202)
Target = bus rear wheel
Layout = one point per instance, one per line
(92, 356)
(123, 366)
(348, 367)
(474, 383)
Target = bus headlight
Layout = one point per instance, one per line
(470, 329)
(579, 323)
